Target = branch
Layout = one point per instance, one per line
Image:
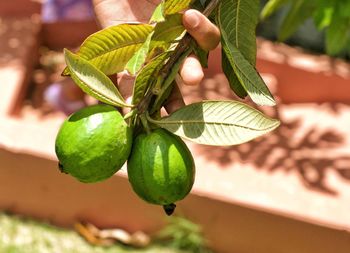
(183, 46)
(186, 41)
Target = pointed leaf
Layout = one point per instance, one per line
(336, 35)
(110, 49)
(93, 81)
(271, 7)
(147, 75)
(165, 33)
(299, 12)
(248, 76)
(232, 78)
(169, 81)
(202, 55)
(157, 15)
(138, 59)
(174, 6)
(238, 20)
(323, 14)
(220, 123)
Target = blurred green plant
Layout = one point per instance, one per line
(330, 16)
(183, 234)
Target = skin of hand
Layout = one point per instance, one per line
(207, 35)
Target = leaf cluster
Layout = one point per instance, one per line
(332, 16)
(181, 233)
(153, 54)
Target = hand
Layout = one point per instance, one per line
(207, 35)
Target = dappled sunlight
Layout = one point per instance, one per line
(313, 139)
(300, 145)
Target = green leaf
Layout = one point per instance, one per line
(166, 86)
(110, 49)
(93, 81)
(198, 5)
(232, 78)
(169, 31)
(162, 98)
(238, 19)
(323, 14)
(271, 7)
(157, 15)
(299, 12)
(343, 8)
(166, 35)
(174, 6)
(202, 55)
(147, 75)
(248, 76)
(136, 62)
(220, 123)
(337, 35)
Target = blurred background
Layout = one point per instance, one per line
(288, 191)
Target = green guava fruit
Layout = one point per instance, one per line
(161, 168)
(93, 143)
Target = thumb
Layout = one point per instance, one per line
(201, 29)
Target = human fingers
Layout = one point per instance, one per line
(207, 36)
(191, 71)
(201, 29)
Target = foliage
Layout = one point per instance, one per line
(219, 123)
(154, 52)
(182, 234)
(332, 16)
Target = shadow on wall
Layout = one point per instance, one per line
(310, 155)
(296, 146)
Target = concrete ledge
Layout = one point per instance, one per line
(33, 186)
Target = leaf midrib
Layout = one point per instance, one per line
(182, 122)
(80, 76)
(237, 22)
(108, 97)
(252, 83)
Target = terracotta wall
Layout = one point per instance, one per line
(19, 7)
(33, 186)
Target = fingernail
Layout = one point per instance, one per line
(191, 19)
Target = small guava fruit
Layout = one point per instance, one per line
(93, 143)
(161, 168)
